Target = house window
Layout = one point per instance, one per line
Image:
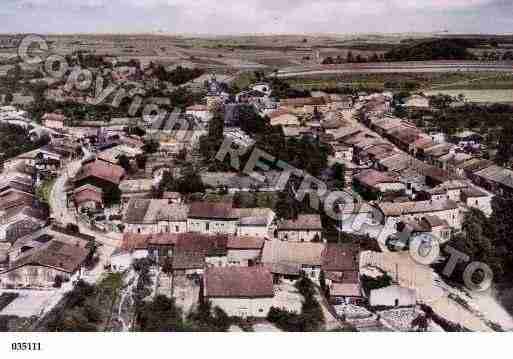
(177, 229)
(139, 230)
(207, 226)
(167, 229)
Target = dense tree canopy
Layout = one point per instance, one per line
(438, 49)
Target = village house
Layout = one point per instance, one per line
(240, 291)
(135, 188)
(383, 125)
(343, 152)
(340, 102)
(416, 102)
(341, 270)
(145, 216)
(244, 251)
(88, 198)
(375, 153)
(199, 112)
(452, 160)
(39, 159)
(342, 133)
(467, 139)
(413, 180)
(254, 222)
(305, 228)
(433, 225)
(18, 221)
(18, 229)
(284, 118)
(99, 174)
(37, 238)
(433, 154)
(295, 257)
(137, 246)
(332, 120)
(263, 87)
(296, 132)
(193, 252)
(14, 199)
(305, 105)
(477, 198)
(420, 146)
(55, 121)
(16, 182)
(112, 154)
(468, 168)
(448, 190)
(45, 266)
(205, 217)
(444, 209)
(404, 137)
(378, 184)
(495, 179)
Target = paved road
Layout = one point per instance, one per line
(62, 214)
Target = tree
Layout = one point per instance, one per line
(505, 147)
(339, 173)
(141, 160)
(286, 206)
(151, 146)
(161, 315)
(322, 282)
(206, 318)
(124, 162)
(111, 195)
(328, 61)
(190, 182)
(8, 98)
(441, 101)
(476, 242)
(350, 57)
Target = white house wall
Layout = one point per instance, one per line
(244, 307)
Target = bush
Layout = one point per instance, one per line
(57, 282)
(311, 317)
(209, 319)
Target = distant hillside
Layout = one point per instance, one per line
(439, 49)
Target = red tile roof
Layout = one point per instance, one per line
(340, 257)
(87, 193)
(132, 241)
(103, 170)
(211, 210)
(238, 282)
(303, 101)
(371, 178)
(245, 242)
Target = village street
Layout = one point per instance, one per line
(61, 213)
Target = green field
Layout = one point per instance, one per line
(424, 81)
(491, 96)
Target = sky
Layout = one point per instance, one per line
(255, 16)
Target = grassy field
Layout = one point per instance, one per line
(502, 96)
(425, 81)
